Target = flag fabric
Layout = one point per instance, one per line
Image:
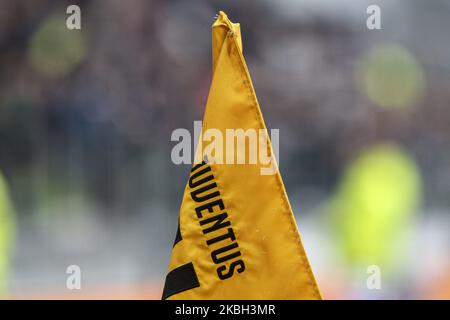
(237, 237)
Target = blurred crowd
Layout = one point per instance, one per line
(86, 116)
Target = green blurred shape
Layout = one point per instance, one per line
(7, 233)
(56, 50)
(391, 77)
(374, 205)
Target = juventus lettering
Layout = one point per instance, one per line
(215, 223)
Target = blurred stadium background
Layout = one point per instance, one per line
(86, 117)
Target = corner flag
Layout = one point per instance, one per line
(237, 237)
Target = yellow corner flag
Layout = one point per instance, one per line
(237, 237)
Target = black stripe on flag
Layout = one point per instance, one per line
(178, 237)
(180, 279)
